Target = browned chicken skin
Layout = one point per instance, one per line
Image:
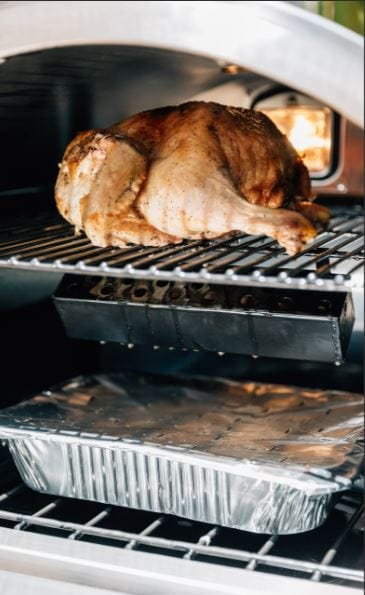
(198, 170)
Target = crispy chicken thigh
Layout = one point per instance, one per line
(197, 170)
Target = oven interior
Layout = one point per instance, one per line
(46, 97)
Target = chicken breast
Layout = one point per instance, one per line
(198, 170)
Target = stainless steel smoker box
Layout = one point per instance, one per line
(258, 457)
(245, 320)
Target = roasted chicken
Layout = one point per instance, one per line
(197, 170)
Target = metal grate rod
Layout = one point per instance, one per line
(174, 253)
(147, 531)
(264, 549)
(96, 258)
(35, 242)
(332, 552)
(127, 255)
(92, 522)
(25, 523)
(6, 495)
(232, 255)
(321, 256)
(181, 252)
(333, 266)
(131, 254)
(44, 247)
(30, 228)
(329, 235)
(260, 258)
(359, 265)
(70, 253)
(205, 539)
(206, 257)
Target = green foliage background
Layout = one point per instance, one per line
(349, 13)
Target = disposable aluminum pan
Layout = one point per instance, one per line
(258, 457)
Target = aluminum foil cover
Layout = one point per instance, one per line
(258, 457)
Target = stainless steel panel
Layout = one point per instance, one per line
(13, 583)
(91, 569)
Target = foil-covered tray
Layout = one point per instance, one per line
(258, 457)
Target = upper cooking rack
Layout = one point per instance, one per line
(334, 261)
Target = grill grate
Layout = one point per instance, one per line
(326, 554)
(334, 261)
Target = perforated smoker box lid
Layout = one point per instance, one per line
(263, 458)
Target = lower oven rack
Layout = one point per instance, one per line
(333, 262)
(320, 554)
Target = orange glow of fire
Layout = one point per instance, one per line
(309, 131)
